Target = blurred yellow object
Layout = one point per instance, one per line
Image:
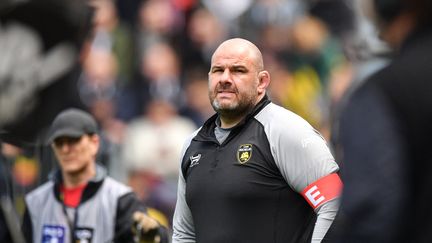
(146, 225)
(25, 170)
(303, 94)
(159, 216)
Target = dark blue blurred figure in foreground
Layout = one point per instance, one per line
(385, 134)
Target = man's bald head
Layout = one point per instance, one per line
(237, 80)
(245, 47)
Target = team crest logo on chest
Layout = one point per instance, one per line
(244, 153)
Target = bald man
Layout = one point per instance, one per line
(254, 172)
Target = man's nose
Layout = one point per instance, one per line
(226, 76)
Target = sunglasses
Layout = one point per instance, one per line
(59, 142)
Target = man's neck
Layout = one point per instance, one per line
(228, 122)
(72, 180)
(231, 119)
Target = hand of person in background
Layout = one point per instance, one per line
(146, 228)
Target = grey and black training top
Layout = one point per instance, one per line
(247, 189)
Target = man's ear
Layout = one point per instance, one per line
(264, 81)
(95, 141)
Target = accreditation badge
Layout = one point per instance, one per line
(83, 235)
(53, 233)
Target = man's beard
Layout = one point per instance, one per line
(236, 108)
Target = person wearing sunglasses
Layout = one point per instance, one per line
(80, 203)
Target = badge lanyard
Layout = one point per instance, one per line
(71, 223)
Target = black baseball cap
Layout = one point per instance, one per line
(72, 123)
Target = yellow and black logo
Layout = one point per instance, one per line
(244, 153)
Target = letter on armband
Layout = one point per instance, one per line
(323, 190)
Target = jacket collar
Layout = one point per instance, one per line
(91, 188)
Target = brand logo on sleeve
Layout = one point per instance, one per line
(194, 160)
(244, 153)
(53, 234)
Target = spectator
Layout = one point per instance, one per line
(150, 154)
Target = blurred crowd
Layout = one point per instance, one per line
(144, 78)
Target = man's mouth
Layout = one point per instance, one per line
(225, 91)
(225, 94)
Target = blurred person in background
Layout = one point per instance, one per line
(204, 31)
(151, 148)
(312, 57)
(101, 91)
(197, 107)
(157, 21)
(111, 33)
(254, 172)
(269, 23)
(159, 77)
(384, 135)
(81, 203)
(160, 69)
